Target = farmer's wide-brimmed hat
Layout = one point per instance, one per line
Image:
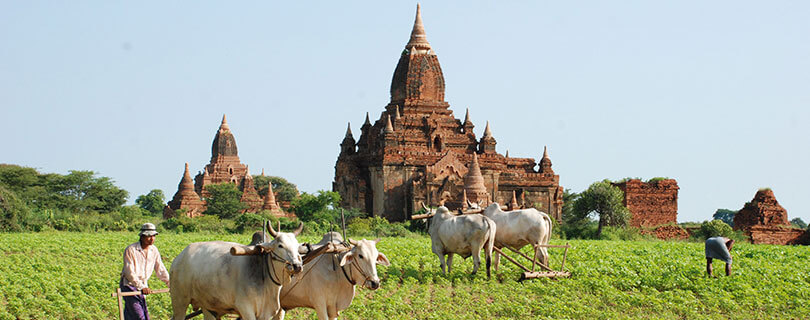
(148, 229)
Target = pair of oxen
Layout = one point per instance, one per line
(268, 277)
(469, 234)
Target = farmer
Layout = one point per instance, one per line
(140, 260)
(718, 248)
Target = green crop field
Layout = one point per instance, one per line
(61, 275)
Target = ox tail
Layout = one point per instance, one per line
(489, 243)
(544, 239)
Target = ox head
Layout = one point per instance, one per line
(438, 211)
(283, 248)
(362, 262)
(475, 205)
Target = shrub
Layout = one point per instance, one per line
(714, 228)
(377, 227)
(12, 211)
(626, 234)
(207, 223)
(249, 221)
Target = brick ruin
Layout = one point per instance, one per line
(224, 167)
(652, 203)
(418, 152)
(766, 222)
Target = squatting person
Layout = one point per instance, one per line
(718, 248)
(140, 260)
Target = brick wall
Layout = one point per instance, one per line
(777, 235)
(651, 203)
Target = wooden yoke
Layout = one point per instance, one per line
(328, 248)
(245, 250)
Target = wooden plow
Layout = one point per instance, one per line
(530, 273)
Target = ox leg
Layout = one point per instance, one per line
(496, 259)
(441, 262)
(542, 255)
(331, 311)
(279, 315)
(323, 313)
(449, 262)
(179, 309)
(476, 254)
(207, 315)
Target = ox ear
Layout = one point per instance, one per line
(347, 258)
(383, 260)
(298, 230)
(269, 227)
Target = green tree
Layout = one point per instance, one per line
(798, 223)
(725, 215)
(154, 201)
(284, 190)
(12, 211)
(224, 200)
(78, 191)
(568, 204)
(311, 207)
(605, 201)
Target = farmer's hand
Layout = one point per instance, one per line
(146, 291)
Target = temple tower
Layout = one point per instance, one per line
(185, 199)
(418, 152)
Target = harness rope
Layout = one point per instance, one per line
(269, 265)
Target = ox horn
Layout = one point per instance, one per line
(376, 241)
(425, 207)
(469, 204)
(352, 242)
(269, 227)
(299, 229)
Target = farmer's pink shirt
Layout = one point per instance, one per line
(139, 264)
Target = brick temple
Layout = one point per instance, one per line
(651, 203)
(417, 151)
(766, 221)
(224, 167)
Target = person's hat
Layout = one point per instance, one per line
(148, 229)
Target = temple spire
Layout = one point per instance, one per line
(186, 182)
(224, 125)
(487, 131)
(388, 127)
(349, 132)
(396, 113)
(513, 205)
(545, 162)
(418, 37)
(467, 116)
(368, 122)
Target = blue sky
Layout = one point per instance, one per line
(713, 94)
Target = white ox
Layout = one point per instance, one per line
(206, 275)
(463, 235)
(327, 284)
(518, 228)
